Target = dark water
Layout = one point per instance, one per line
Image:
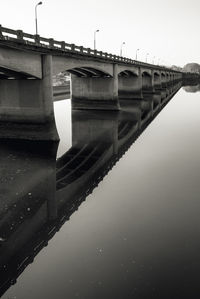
(135, 236)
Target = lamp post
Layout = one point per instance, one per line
(136, 54)
(153, 59)
(95, 38)
(36, 25)
(121, 48)
(146, 56)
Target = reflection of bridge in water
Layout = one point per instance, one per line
(39, 194)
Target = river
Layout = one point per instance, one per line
(136, 234)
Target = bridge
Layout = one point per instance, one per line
(99, 80)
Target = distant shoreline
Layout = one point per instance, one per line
(61, 92)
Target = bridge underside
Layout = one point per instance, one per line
(10, 74)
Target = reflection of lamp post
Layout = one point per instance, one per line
(136, 54)
(95, 38)
(146, 56)
(36, 25)
(121, 48)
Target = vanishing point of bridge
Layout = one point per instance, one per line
(99, 80)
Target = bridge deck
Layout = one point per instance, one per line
(22, 40)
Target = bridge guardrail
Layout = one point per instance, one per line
(29, 39)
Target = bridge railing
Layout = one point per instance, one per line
(19, 36)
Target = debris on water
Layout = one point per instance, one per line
(28, 209)
(2, 239)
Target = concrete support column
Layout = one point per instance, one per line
(171, 78)
(130, 87)
(157, 82)
(163, 81)
(96, 93)
(47, 87)
(28, 102)
(152, 81)
(115, 82)
(140, 79)
(168, 79)
(147, 83)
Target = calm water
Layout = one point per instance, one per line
(135, 236)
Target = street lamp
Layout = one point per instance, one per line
(95, 38)
(36, 25)
(136, 54)
(146, 56)
(153, 59)
(121, 48)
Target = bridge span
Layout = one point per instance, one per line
(99, 80)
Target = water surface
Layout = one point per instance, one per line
(137, 234)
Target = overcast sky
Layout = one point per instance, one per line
(167, 30)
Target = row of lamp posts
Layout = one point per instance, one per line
(95, 32)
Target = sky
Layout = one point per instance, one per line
(166, 30)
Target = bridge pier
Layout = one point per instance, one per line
(130, 87)
(96, 93)
(163, 81)
(147, 83)
(26, 106)
(157, 81)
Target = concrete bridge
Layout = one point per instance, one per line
(99, 80)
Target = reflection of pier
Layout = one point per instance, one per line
(35, 209)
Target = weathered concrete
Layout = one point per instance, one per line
(147, 82)
(95, 93)
(29, 102)
(62, 63)
(130, 86)
(20, 61)
(157, 80)
(163, 80)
